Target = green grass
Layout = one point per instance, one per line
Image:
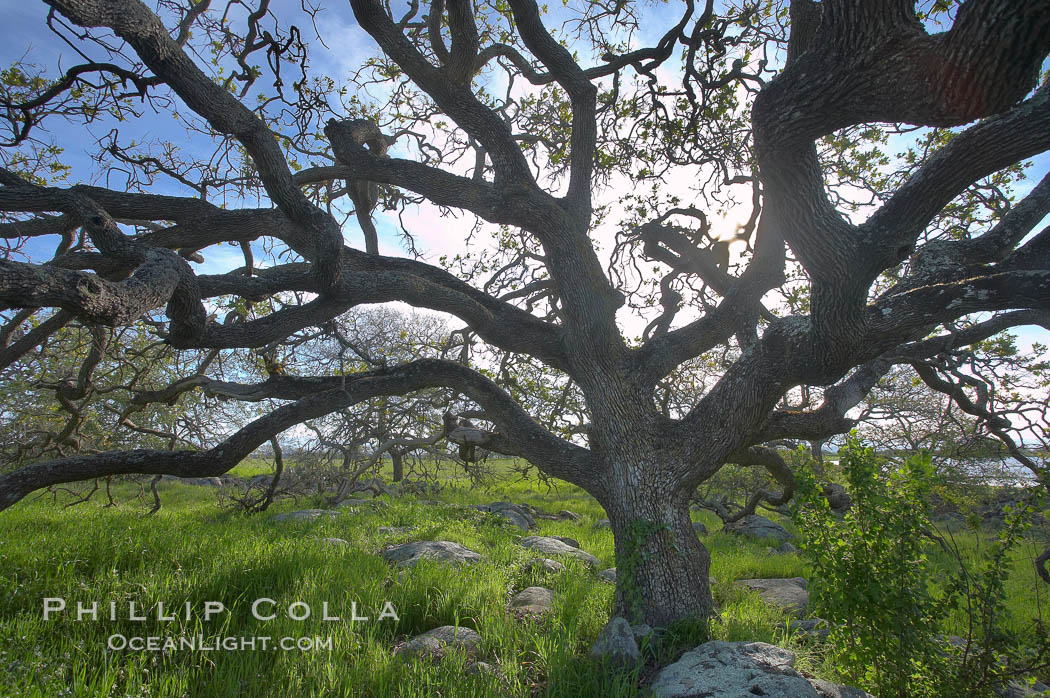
(193, 552)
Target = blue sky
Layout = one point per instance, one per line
(27, 36)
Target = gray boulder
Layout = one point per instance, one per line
(817, 628)
(641, 631)
(305, 515)
(566, 515)
(604, 523)
(616, 645)
(568, 541)
(374, 487)
(200, 481)
(532, 600)
(334, 542)
(758, 527)
(516, 514)
(1016, 689)
(837, 496)
(357, 503)
(732, 670)
(515, 519)
(789, 594)
(437, 642)
(827, 689)
(785, 549)
(417, 487)
(409, 554)
(701, 529)
(394, 530)
(545, 565)
(552, 546)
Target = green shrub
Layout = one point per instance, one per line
(874, 581)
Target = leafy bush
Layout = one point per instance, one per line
(875, 582)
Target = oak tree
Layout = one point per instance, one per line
(517, 125)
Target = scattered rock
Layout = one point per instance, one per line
(566, 515)
(435, 643)
(395, 530)
(356, 503)
(375, 487)
(641, 631)
(553, 546)
(604, 523)
(789, 594)
(785, 549)
(1016, 689)
(731, 670)
(409, 554)
(568, 541)
(837, 496)
(545, 565)
(200, 481)
(700, 528)
(616, 644)
(475, 668)
(992, 508)
(333, 542)
(827, 689)
(758, 527)
(1012, 688)
(817, 628)
(305, 515)
(419, 487)
(224, 481)
(534, 600)
(516, 514)
(515, 518)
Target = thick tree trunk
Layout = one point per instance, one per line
(399, 466)
(661, 565)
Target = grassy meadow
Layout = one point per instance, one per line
(192, 551)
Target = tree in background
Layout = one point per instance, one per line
(854, 261)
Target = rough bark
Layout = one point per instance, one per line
(661, 565)
(849, 63)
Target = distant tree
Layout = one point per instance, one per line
(385, 427)
(855, 261)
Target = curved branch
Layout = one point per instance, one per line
(453, 98)
(582, 95)
(830, 418)
(134, 23)
(34, 338)
(1001, 140)
(552, 454)
(776, 466)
